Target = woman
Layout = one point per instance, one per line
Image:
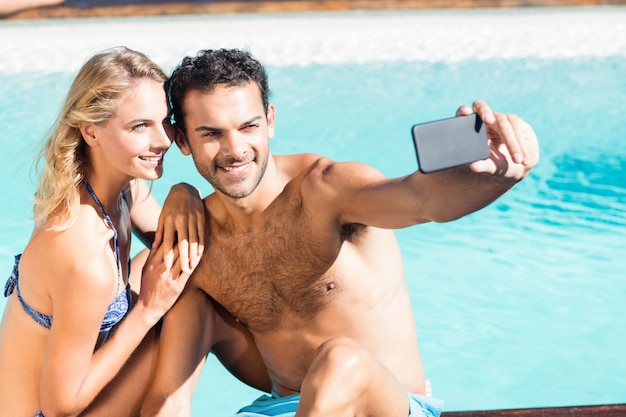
(70, 289)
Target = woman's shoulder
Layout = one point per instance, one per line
(88, 231)
(74, 251)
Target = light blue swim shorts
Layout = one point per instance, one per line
(420, 406)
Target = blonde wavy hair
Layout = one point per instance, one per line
(92, 98)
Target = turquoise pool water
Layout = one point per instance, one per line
(521, 304)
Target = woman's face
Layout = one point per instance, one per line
(134, 141)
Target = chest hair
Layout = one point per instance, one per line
(281, 269)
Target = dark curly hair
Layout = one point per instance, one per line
(209, 68)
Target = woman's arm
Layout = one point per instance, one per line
(185, 343)
(72, 374)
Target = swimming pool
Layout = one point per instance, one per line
(519, 305)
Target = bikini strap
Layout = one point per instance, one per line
(9, 287)
(12, 284)
(110, 222)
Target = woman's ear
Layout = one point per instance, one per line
(88, 131)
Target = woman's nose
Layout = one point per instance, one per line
(165, 136)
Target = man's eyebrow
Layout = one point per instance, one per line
(215, 129)
(207, 129)
(254, 119)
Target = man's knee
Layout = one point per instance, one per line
(345, 361)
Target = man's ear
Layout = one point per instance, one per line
(271, 116)
(181, 140)
(88, 131)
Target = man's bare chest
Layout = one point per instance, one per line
(271, 273)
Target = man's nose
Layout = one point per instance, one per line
(234, 146)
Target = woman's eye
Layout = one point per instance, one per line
(140, 126)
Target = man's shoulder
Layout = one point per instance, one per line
(305, 164)
(300, 160)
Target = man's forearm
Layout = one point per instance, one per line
(457, 192)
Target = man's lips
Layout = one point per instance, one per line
(236, 168)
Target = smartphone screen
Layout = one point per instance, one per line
(450, 142)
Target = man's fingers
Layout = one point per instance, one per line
(158, 235)
(463, 111)
(169, 240)
(520, 133)
(484, 111)
(508, 137)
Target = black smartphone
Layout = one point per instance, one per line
(450, 142)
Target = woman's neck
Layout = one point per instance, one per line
(107, 191)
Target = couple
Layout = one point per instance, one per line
(299, 293)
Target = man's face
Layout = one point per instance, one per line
(228, 136)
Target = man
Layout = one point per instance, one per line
(302, 256)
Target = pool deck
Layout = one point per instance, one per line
(613, 410)
(324, 37)
(156, 7)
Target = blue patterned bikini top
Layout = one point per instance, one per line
(116, 311)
